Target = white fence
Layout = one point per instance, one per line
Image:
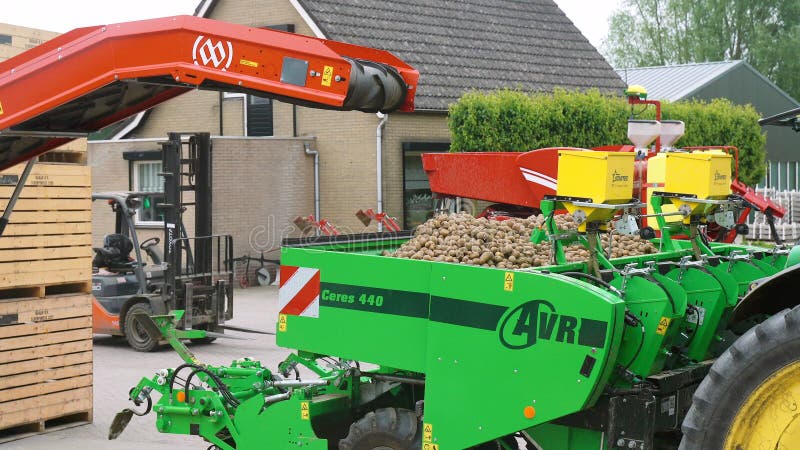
(788, 227)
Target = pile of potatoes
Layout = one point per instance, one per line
(461, 238)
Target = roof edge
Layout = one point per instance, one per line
(129, 128)
(771, 83)
(732, 62)
(737, 63)
(307, 19)
(204, 8)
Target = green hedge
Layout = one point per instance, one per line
(510, 120)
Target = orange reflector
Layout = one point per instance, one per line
(180, 396)
(529, 412)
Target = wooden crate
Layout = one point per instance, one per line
(49, 237)
(45, 359)
(72, 153)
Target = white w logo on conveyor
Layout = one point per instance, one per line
(214, 53)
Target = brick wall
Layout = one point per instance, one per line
(260, 186)
(22, 38)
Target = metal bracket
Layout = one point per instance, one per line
(738, 255)
(633, 269)
(686, 263)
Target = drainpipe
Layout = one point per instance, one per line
(379, 157)
(315, 154)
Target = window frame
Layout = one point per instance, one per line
(135, 188)
(413, 147)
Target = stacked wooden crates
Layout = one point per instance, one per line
(45, 296)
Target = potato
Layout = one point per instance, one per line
(461, 238)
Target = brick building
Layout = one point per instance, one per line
(456, 46)
(15, 39)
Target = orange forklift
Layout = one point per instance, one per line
(191, 273)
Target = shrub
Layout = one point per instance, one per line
(510, 120)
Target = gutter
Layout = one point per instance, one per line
(315, 154)
(379, 158)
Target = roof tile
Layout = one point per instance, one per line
(463, 45)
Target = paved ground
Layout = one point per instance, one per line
(117, 368)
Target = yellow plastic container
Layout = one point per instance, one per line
(603, 177)
(706, 174)
(656, 175)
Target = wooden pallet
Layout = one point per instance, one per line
(45, 359)
(45, 426)
(48, 239)
(70, 153)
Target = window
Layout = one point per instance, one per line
(146, 179)
(5, 39)
(418, 201)
(259, 116)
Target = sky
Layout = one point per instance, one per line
(590, 16)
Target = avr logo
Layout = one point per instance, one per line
(537, 320)
(212, 53)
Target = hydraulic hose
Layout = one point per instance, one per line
(593, 279)
(223, 390)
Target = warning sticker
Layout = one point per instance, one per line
(508, 281)
(663, 325)
(282, 322)
(304, 410)
(427, 433)
(327, 76)
(1, 109)
(299, 291)
(247, 62)
(429, 446)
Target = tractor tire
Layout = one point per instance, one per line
(751, 396)
(385, 429)
(137, 338)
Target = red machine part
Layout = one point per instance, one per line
(309, 223)
(760, 202)
(512, 178)
(366, 217)
(92, 77)
(523, 179)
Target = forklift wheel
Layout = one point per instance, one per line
(387, 428)
(137, 337)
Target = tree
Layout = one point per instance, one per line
(662, 32)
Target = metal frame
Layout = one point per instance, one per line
(112, 72)
(126, 226)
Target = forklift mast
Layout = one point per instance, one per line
(199, 267)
